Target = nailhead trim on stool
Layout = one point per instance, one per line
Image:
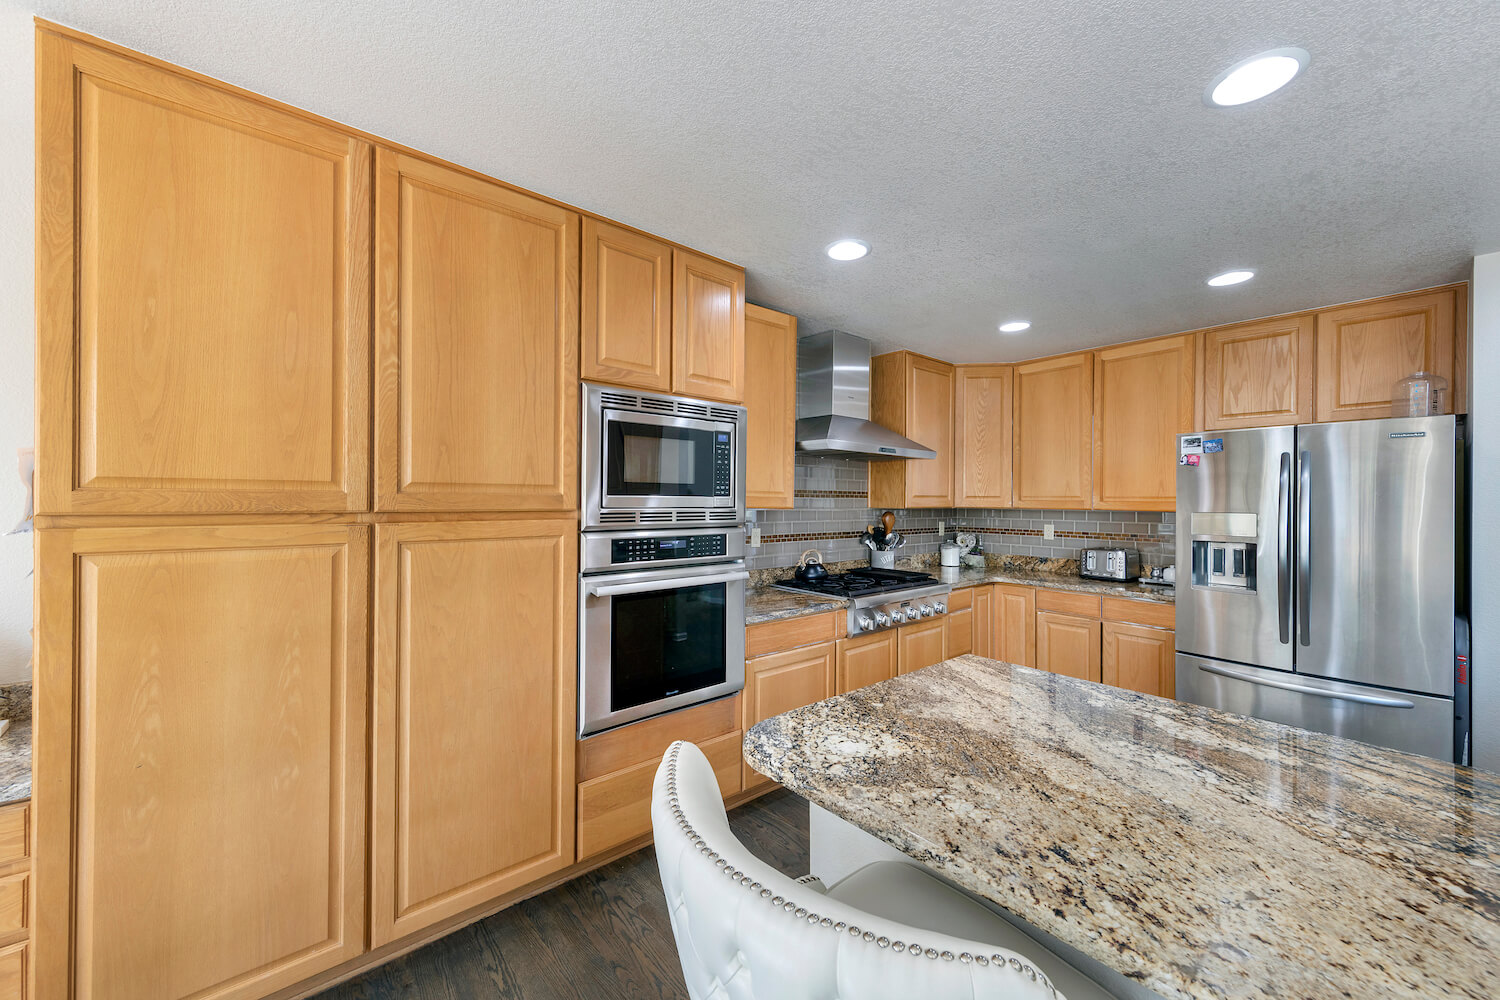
(815, 919)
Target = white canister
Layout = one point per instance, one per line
(948, 553)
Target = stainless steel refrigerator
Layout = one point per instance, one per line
(1321, 579)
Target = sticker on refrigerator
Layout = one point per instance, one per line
(1189, 459)
(1190, 444)
(1213, 445)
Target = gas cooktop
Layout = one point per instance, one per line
(860, 582)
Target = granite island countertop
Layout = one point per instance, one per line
(15, 762)
(1198, 853)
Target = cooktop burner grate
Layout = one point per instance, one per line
(861, 582)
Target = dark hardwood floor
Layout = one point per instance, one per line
(600, 936)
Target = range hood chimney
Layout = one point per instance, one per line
(833, 401)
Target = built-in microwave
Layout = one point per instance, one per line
(655, 459)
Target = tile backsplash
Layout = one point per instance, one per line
(832, 497)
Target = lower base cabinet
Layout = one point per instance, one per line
(1013, 624)
(1140, 658)
(921, 644)
(616, 770)
(864, 660)
(1067, 644)
(200, 815)
(780, 682)
(474, 712)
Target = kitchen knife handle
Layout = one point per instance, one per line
(1304, 548)
(1284, 549)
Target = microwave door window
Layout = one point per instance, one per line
(666, 642)
(649, 460)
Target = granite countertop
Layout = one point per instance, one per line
(1198, 853)
(964, 576)
(15, 762)
(767, 604)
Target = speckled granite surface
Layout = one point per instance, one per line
(15, 745)
(966, 577)
(767, 604)
(1198, 853)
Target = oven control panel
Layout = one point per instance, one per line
(663, 548)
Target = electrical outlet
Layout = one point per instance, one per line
(1048, 531)
(941, 526)
(755, 538)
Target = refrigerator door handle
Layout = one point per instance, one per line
(1284, 549)
(1363, 699)
(1304, 548)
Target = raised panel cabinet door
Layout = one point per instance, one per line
(476, 400)
(1140, 658)
(913, 395)
(708, 328)
(201, 739)
(960, 631)
(1365, 348)
(771, 407)
(1013, 637)
(627, 307)
(474, 714)
(866, 659)
(203, 281)
(983, 435)
(1258, 374)
(983, 622)
(1054, 404)
(781, 682)
(1143, 399)
(1067, 644)
(921, 644)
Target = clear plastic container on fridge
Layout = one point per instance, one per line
(1420, 395)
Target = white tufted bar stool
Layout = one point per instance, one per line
(747, 932)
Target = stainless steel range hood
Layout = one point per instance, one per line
(833, 401)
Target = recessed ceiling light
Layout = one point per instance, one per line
(1015, 326)
(1256, 77)
(848, 249)
(1230, 278)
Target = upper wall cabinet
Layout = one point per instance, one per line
(1365, 348)
(1053, 423)
(1258, 374)
(913, 395)
(771, 405)
(203, 264)
(627, 307)
(708, 328)
(1143, 399)
(982, 436)
(476, 404)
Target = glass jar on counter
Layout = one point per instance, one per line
(1420, 395)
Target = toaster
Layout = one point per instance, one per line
(1110, 564)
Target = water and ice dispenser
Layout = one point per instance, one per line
(1218, 562)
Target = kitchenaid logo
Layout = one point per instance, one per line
(1409, 434)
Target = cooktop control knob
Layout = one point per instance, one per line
(940, 607)
(865, 623)
(927, 611)
(882, 619)
(912, 614)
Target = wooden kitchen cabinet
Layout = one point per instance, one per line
(983, 436)
(1053, 452)
(771, 407)
(476, 401)
(780, 682)
(1258, 374)
(960, 621)
(1140, 658)
(200, 818)
(866, 659)
(921, 644)
(627, 308)
(913, 395)
(1365, 348)
(1067, 644)
(1013, 632)
(708, 328)
(1143, 399)
(474, 714)
(984, 622)
(203, 262)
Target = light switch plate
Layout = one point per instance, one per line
(1048, 531)
(941, 526)
(755, 538)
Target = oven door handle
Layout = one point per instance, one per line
(643, 586)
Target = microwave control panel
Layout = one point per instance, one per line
(723, 465)
(660, 548)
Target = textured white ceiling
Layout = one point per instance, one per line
(1046, 160)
